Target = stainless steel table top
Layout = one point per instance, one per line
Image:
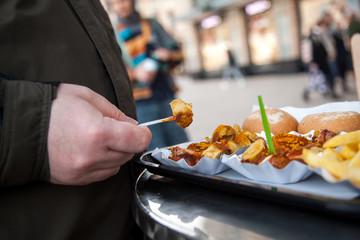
(168, 209)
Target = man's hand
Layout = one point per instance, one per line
(89, 138)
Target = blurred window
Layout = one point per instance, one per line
(263, 40)
(213, 46)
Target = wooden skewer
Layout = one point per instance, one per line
(172, 118)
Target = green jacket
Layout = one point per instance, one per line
(43, 42)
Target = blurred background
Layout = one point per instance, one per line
(267, 39)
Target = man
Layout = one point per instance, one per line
(64, 147)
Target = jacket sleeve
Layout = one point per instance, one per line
(24, 120)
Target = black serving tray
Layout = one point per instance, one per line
(344, 208)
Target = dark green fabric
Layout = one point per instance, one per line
(64, 41)
(18, 124)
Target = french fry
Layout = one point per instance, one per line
(354, 176)
(334, 164)
(347, 152)
(354, 146)
(341, 164)
(355, 161)
(312, 158)
(348, 138)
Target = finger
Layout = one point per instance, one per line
(126, 137)
(108, 109)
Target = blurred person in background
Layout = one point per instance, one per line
(316, 56)
(150, 55)
(316, 78)
(231, 71)
(341, 58)
(325, 28)
(324, 52)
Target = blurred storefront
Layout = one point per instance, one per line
(264, 35)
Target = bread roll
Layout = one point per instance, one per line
(337, 122)
(279, 121)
